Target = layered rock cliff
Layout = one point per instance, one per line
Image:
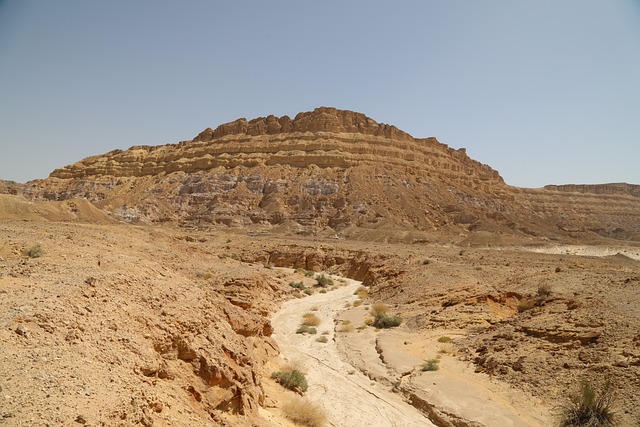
(332, 171)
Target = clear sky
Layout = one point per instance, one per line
(544, 91)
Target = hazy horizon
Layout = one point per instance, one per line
(543, 92)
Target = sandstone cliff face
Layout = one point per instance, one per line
(329, 171)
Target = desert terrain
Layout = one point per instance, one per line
(153, 286)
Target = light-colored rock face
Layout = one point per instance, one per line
(337, 172)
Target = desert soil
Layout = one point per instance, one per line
(124, 325)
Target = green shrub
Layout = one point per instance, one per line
(297, 285)
(383, 320)
(426, 262)
(444, 339)
(430, 365)
(306, 329)
(292, 379)
(34, 251)
(308, 291)
(324, 281)
(308, 273)
(588, 407)
(322, 339)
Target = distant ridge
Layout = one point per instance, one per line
(614, 188)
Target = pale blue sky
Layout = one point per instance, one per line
(544, 91)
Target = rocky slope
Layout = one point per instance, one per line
(334, 172)
(117, 325)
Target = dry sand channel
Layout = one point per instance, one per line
(351, 398)
(348, 397)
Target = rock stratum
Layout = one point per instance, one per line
(336, 172)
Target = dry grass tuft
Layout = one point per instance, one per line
(379, 307)
(362, 292)
(304, 412)
(346, 328)
(310, 319)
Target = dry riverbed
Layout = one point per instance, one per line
(365, 377)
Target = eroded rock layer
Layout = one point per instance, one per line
(332, 171)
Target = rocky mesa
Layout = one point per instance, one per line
(335, 172)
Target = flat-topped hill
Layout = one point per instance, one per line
(339, 173)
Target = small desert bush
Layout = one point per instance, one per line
(306, 329)
(543, 294)
(34, 251)
(308, 273)
(361, 292)
(304, 412)
(346, 328)
(323, 291)
(310, 319)
(383, 320)
(322, 339)
(444, 339)
(308, 291)
(588, 407)
(324, 281)
(297, 285)
(357, 303)
(379, 307)
(426, 262)
(290, 378)
(430, 365)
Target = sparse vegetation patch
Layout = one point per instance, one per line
(303, 412)
(324, 281)
(383, 321)
(306, 329)
(34, 251)
(297, 285)
(291, 378)
(588, 407)
(431, 365)
(310, 319)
